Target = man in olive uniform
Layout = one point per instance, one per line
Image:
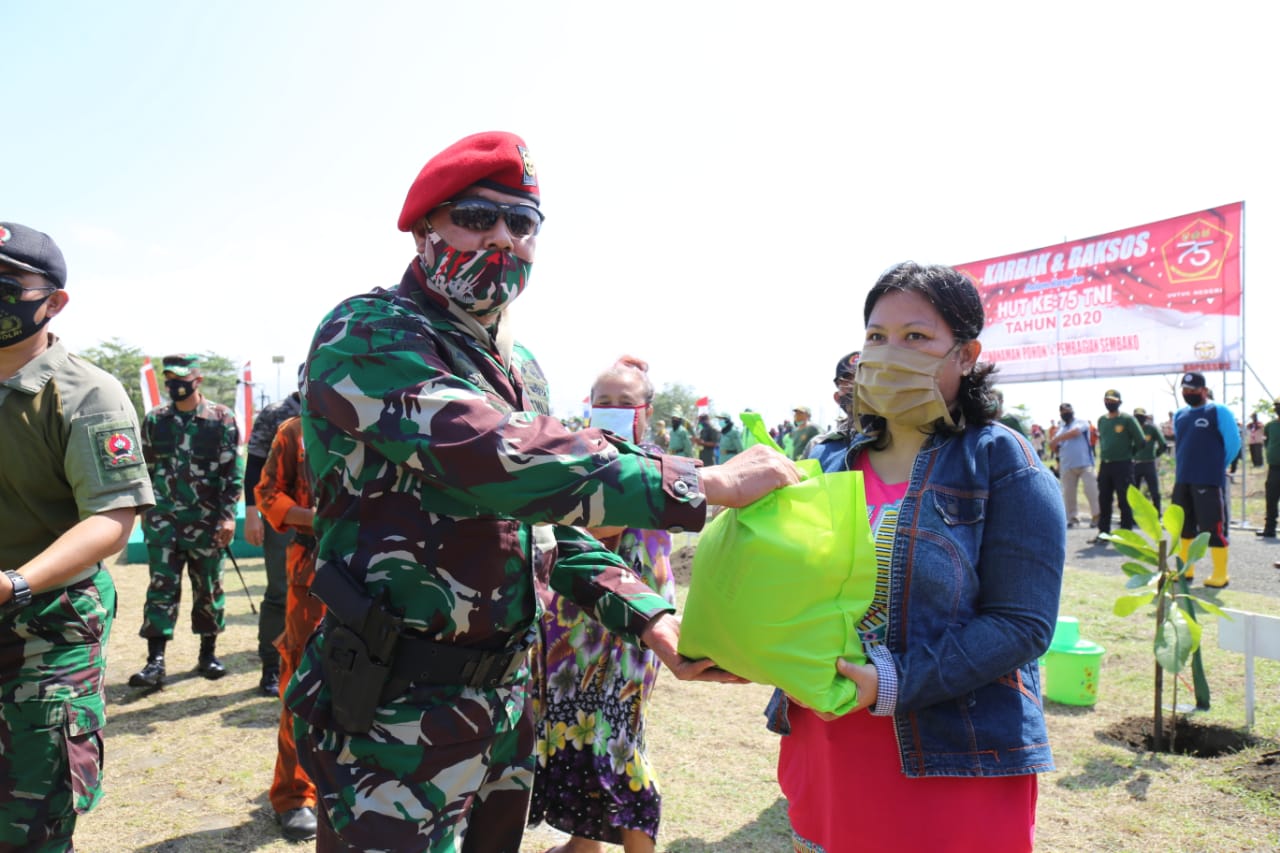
(274, 544)
(71, 481)
(427, 430)
(708, 439)
(681, 442)
(803, 433)
(1120, 437)
(1144, 461)
(190, 447)
(730, 438)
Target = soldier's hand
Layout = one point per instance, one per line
(749, 476)
(224, 533)
(253, 533)
(662, 635)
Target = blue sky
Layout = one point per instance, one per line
(722, 181)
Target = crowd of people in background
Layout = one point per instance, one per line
(469, 600)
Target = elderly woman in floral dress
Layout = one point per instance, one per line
(593, 778)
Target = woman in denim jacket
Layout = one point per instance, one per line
(942, 749)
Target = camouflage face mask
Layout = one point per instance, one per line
(480, 283)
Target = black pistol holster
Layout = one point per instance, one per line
(360, 647)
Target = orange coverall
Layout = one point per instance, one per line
(285, 484)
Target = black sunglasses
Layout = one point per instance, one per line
(481, 214)
(11, 289)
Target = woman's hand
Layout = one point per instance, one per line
(863, 675)
(662, 634)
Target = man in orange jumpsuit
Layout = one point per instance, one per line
(285, 500)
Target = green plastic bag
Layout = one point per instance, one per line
(778, 587)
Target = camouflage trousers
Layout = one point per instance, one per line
(52, 709)
(208, 608)
(438, 781)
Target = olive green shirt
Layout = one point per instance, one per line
(69, 449)
(1271, 432)
(1155, 444)
(1120, 437)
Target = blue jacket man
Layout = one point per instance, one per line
(1207, 439)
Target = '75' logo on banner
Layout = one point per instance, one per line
(1196, 252)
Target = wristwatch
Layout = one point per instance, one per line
(21, 592)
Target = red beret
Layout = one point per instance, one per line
(497, 160)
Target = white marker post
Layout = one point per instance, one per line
(1256, 636)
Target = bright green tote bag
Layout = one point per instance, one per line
(778, 587)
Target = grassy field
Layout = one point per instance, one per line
(188, 767)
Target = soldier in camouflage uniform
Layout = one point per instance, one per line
(190, 447)
(274, 543)
(71, 481)
(427, 432)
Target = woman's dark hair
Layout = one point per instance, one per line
(956, 298)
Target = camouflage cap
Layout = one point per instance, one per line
(182, 364)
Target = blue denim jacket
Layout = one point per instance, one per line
(973, 598)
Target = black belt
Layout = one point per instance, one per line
(422, 661)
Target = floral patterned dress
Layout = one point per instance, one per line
(593, 777)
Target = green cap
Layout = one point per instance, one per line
(181, 364)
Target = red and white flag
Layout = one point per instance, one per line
(150, 387)
(244, 402)
(702, 403)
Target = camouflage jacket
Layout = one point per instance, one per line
(268, 421)
(263, 433)
(432, 453)
(191, 457)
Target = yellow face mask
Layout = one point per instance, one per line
(900, 385)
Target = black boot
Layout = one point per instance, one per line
(209, 666)
(152, 675)
(270, 683)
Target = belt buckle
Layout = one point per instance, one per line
(514, 661)
(497, 670)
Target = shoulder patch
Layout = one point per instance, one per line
(116, 447)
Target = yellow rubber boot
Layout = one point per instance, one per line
(1219, 578)
(1184, 546)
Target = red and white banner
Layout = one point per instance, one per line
(149, 386)
(1156, 298)
(244, 402)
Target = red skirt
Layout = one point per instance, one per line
(846, 794)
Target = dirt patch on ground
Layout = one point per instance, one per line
(1204, 740)
(682, 564)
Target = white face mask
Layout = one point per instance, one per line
(620, 420)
